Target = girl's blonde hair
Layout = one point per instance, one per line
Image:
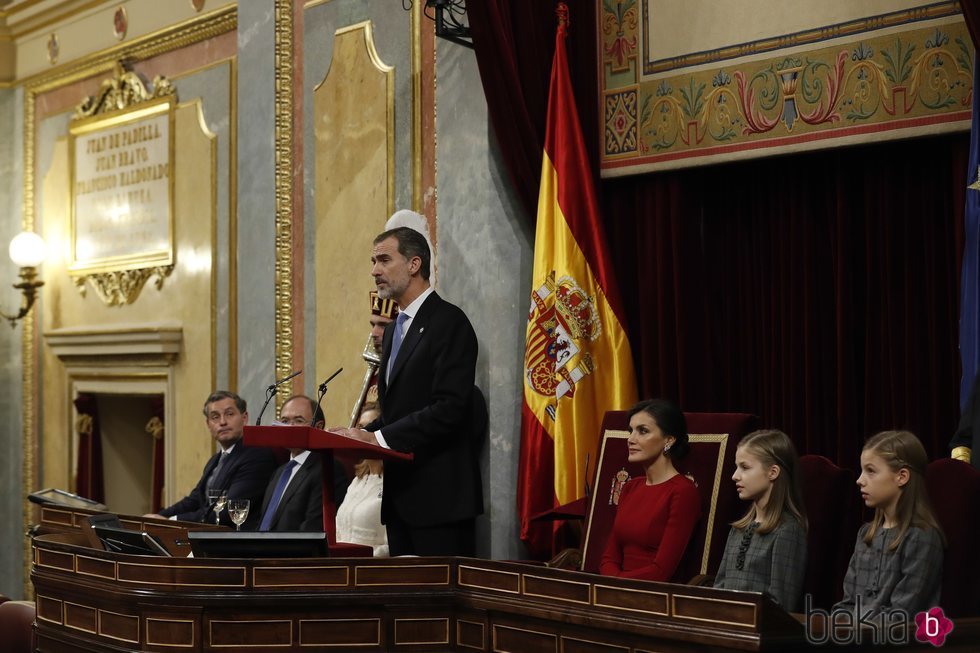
(772, 447)
(902, 450)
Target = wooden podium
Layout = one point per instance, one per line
(325, 443)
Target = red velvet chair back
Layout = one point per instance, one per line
(17, 626)
(954, 488)
(831, 500)
(713, 437)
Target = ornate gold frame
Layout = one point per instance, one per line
(284, 190)
(166, 40)
(122, 100)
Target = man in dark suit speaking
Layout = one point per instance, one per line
(425, 383)
(241, 471)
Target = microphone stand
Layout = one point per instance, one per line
(270, 392)
(322, 391)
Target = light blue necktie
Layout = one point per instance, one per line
(396, 341)
(277, 496)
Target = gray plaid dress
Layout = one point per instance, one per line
(908, 578)
(773, 563)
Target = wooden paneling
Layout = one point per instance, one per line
(429, 605)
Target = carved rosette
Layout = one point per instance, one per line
(122, 287)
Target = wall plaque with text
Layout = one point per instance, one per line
(121, 149)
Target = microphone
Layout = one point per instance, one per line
(270, 392)
(275, 386)
(323, 391)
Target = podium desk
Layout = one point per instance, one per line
(173, 533)
(326, 443)
(96, 601)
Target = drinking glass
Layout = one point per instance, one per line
(218, 498)
(238, 511)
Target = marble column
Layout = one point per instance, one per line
(256, 201)
(485, 257)
(11, 424)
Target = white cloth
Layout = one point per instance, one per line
(358, 519)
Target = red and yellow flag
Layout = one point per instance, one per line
(577, 361)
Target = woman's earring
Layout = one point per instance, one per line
(667, 449)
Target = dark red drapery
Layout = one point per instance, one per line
(89, 479)
(514, 44)
(819, 290)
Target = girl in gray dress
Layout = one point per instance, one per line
(766, 549)
(897, 562)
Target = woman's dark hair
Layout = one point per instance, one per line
(671, 421)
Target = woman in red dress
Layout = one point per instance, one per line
(657, 511)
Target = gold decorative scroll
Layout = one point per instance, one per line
(121, 151)
(122, 286)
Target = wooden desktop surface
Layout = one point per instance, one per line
(97, 601)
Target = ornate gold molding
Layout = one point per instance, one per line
(178, 36)
(123, 91)
(284, 190)
(120, 287)
(119, 96)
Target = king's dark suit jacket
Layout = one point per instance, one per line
(245, 474)
(301, 506)
(424, 411)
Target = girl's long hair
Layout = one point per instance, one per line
(902, 450)
(772, 447)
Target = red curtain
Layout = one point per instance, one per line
(89, 480)
(156, 430)
(971, 14)
(514, 44)
(818, 291)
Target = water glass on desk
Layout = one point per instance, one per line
(218, 499)
(238, 511)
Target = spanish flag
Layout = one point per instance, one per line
(577, 361)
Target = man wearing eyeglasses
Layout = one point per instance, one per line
(241, 471)
(294, 497)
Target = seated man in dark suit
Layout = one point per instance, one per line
(294, 497)
(241, 471)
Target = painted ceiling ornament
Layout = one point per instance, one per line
(120, 23)
(564, 320)
(54, 48)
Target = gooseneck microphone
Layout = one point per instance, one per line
(270, 392)
(323, 391)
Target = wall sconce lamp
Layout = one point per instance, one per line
(27, 251)
(449, 17)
